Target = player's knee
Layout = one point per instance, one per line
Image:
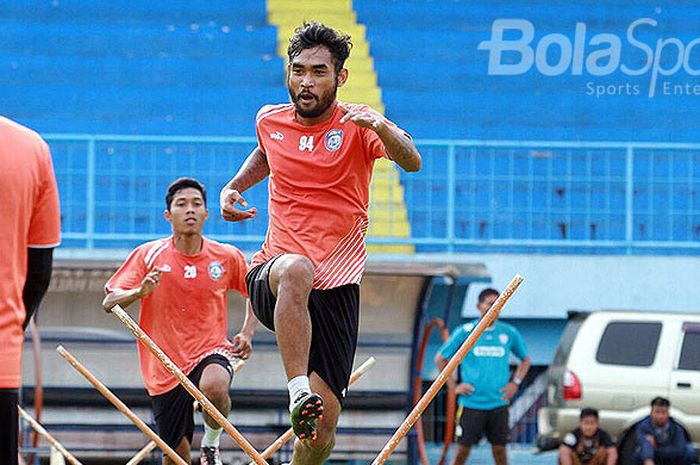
(298, 271)
(216, 391)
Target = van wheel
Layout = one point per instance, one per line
(625, 450)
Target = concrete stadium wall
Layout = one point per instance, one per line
(557, 283)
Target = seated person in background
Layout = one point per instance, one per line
(587, 444)
(661, 440)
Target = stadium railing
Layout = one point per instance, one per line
(512, 196)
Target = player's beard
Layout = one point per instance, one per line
(322, 103)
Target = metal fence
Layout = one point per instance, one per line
(529, 196)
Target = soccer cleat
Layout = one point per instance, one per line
(307, 410)
(209, 456)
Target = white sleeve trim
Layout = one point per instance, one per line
(44, 246)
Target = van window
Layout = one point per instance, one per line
(690, 351)
(566, 341)
(629, 343)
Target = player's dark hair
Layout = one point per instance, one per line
(310, 35)
(660, 402)
(588, 412)
(487, 292)
(183, 183)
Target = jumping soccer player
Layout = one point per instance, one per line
(31, 230)
(304, 283)
(182, 282)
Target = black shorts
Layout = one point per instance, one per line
(334, 317)
(473, 423)
(8, 426)
(173, 410)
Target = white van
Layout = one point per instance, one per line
(616, 362)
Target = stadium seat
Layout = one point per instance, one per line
(205, 68)
(116, 67)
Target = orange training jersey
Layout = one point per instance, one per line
(319, 191)
(186, 314)
(30, 218)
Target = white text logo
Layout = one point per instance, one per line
(489, 351)
(600, 55)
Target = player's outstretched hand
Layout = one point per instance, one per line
(366, 118)
(242, 346)
(228, 200)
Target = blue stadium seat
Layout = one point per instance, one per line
(205, 68)
(156, 68)
(128, 42)
(435, 85)
(169, 68)
(249, 13)
(139, 103)
(161, 126)
(173, 71)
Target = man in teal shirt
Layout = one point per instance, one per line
(486, 387)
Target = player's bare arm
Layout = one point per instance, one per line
(400, 148)
(612, 455)
(125, 297)
(512, 387)
(243, 341)
(253, 170)
(523, 368)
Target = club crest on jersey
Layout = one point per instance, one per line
(503, 338)
(333, 139)
(215, 270)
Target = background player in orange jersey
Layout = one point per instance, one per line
(182, 283)
(31, 229)
(304, 283)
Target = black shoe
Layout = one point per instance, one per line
(307, 410)
(209, 456)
